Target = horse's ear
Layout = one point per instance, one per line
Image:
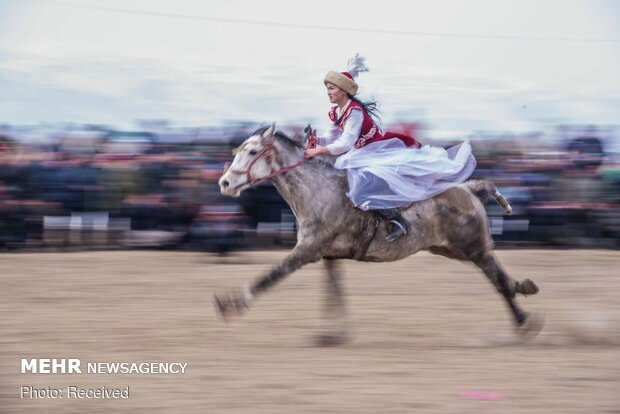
(269, 131)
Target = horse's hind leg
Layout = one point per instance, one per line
(505, 285)
(335, 329)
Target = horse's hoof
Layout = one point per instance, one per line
(327, 340)
(228, 305)
(532, 325)
(220, 307)
(526, 287)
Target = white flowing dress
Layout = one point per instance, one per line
(387, 174)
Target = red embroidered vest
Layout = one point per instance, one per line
(370, 132)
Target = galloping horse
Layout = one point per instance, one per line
(451, 224)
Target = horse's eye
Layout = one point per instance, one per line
(252, 152)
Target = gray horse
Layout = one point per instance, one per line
(451, 224)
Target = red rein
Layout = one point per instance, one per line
(267, 152)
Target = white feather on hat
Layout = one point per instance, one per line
(357, 65)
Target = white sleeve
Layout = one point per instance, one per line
(350, 134)
(329, 136)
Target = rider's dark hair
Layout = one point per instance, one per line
(368, 106)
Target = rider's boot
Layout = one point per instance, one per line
(399, 226)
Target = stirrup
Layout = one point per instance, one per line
(399, 230)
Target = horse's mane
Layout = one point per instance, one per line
(280, 136)
(327, 163)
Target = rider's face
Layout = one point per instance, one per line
(336, 95)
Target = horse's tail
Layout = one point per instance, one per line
(484, 189)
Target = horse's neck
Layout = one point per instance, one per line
(305, 187)
(291, 185)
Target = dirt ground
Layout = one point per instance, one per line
(429, 335)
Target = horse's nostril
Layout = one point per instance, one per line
(225, 183)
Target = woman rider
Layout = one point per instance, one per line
(385, 171)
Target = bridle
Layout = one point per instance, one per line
(268, 151)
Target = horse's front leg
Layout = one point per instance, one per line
(237, 302)
(335, 329)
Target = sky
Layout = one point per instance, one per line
(457, 65)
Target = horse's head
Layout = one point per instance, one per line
(255, 161)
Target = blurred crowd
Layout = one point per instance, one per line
(565, 194)
(95, 188)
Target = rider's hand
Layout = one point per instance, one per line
(314, 152)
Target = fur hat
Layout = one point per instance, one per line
(343, 80)
(346, 80)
